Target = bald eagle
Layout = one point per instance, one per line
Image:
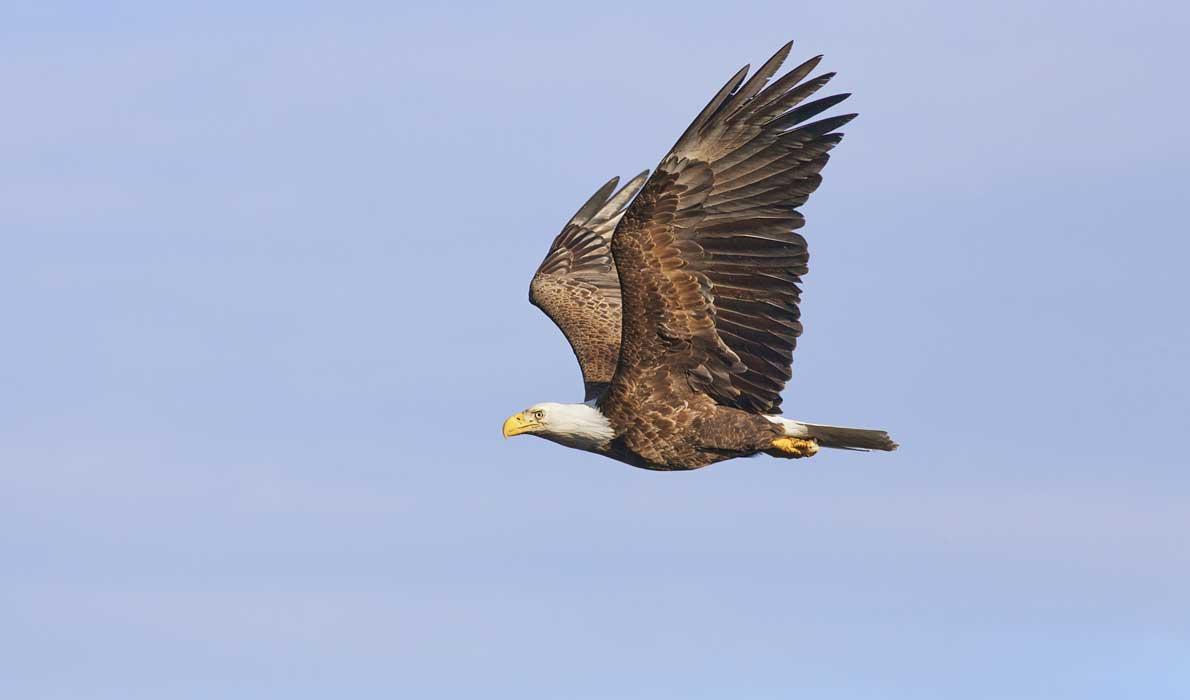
(679, 291)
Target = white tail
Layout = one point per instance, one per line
(837, 437)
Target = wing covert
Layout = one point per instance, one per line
(576, 284)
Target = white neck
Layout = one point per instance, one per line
(577, 425)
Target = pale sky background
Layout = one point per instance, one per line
(263, 288)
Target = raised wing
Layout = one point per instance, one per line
(708, 255)
(577, 286)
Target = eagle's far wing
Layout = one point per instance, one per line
(708, 255)
(577, 287)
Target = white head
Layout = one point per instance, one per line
(577, 425)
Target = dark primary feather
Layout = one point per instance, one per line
(577, 287)
(708, 255)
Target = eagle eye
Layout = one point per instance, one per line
(539, 414)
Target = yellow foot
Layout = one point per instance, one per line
(794, 447)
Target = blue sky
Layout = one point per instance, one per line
(264, 291)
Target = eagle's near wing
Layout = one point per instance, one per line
(708, 254)
(577, 286)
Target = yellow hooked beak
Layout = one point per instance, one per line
(519, 423)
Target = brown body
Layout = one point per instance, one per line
(687, 435)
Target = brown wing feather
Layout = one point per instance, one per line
(708, 254)
(577, 286)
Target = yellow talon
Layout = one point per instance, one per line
(795, 447)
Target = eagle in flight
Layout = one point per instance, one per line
(679, 291)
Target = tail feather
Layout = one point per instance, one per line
(850, 438)
(837, 437)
